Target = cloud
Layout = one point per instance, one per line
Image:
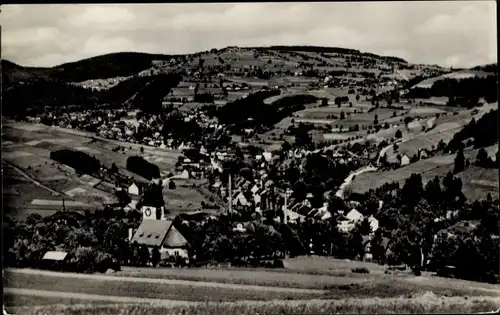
(103, 17)
(437, 32)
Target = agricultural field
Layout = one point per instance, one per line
(318, 284)
(183, 198)
(156, 288)
(423, 304)
(442, 128)
(38, 184)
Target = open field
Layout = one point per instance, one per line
(36, 176)
(220, 291)
(149, 288)
(183, 197)
(339, 136)
(442, 128)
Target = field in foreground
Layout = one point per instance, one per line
(308, 285)
(421, 304)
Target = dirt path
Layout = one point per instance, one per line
(348, 180)
(164, 281)
(94, 297)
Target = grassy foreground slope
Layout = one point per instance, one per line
(422, 304)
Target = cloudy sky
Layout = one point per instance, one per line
(454, 33)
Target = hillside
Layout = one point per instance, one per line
(100, 67)
(457, 75)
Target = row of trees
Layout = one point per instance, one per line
(484, 132)
(462, 91)
(140, 166)
(253, 107)
(149, 99)
(78, 160)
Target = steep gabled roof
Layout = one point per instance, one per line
(152, 232)
(174, 238)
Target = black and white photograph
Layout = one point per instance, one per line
(250, 158)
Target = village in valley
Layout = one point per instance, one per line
(247, 165)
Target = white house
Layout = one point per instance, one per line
(163, 234)
(354, 216)
(184, 174)
(373, 223)
(345, 226)
(405, 160)
(267, 156)
(422, 154)
(254, 189)
(256, 198)
(133, 190)
(240, 198)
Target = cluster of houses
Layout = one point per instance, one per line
(101, 84)
(256, 195)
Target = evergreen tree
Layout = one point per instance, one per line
(377, 247)
(398, 134)
(482, 158)
(459, 163)
(155, 256)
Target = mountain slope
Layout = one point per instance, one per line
(100, 67)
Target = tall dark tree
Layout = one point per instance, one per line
(459, 163)
(482, 158)
(356, 246)
(398, 134)
(365, 226)
(433, 191)
(155, 256)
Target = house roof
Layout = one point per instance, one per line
(354, 215)
(55, 255)
(152, 232)
(174, 238)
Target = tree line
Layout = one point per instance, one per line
(140, 166)
(78, 160)
(252, 111)
(469, 88)
(484, 132)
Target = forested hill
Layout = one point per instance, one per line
(333, 50)
(101, 67)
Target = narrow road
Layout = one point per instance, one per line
(95, 297)
(348, 180)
